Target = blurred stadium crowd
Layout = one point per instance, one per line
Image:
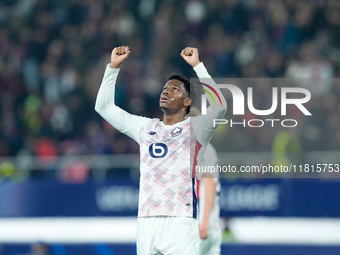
(53, 56)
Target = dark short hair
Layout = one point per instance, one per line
(187, 86)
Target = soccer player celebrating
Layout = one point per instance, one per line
(169, 152)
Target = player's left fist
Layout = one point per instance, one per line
(119, 55)
(190, 55)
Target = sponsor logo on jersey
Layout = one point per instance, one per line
(158, 150)
(152, 133)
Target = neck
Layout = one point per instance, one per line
(173, 119)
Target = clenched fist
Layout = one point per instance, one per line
(119, 55)
(190, 55)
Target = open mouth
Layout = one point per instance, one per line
(163, 99)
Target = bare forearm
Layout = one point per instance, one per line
(209, 195)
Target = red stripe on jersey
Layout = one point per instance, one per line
(198, 146)
(198, 188)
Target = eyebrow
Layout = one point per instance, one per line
(177, 86)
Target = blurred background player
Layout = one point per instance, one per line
(167, 210)
(208, 189)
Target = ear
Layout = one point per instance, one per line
(187, 102)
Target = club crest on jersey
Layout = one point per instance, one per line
(152, 133)
(177, 131)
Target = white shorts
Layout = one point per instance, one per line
(167, 235)
(212, 245)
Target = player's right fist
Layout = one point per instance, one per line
(119, 55)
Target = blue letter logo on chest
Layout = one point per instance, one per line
(158, 150)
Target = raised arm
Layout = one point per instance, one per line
(204, 124)
(123, 121)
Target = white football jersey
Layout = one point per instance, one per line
(168, 153)
(166, 183)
